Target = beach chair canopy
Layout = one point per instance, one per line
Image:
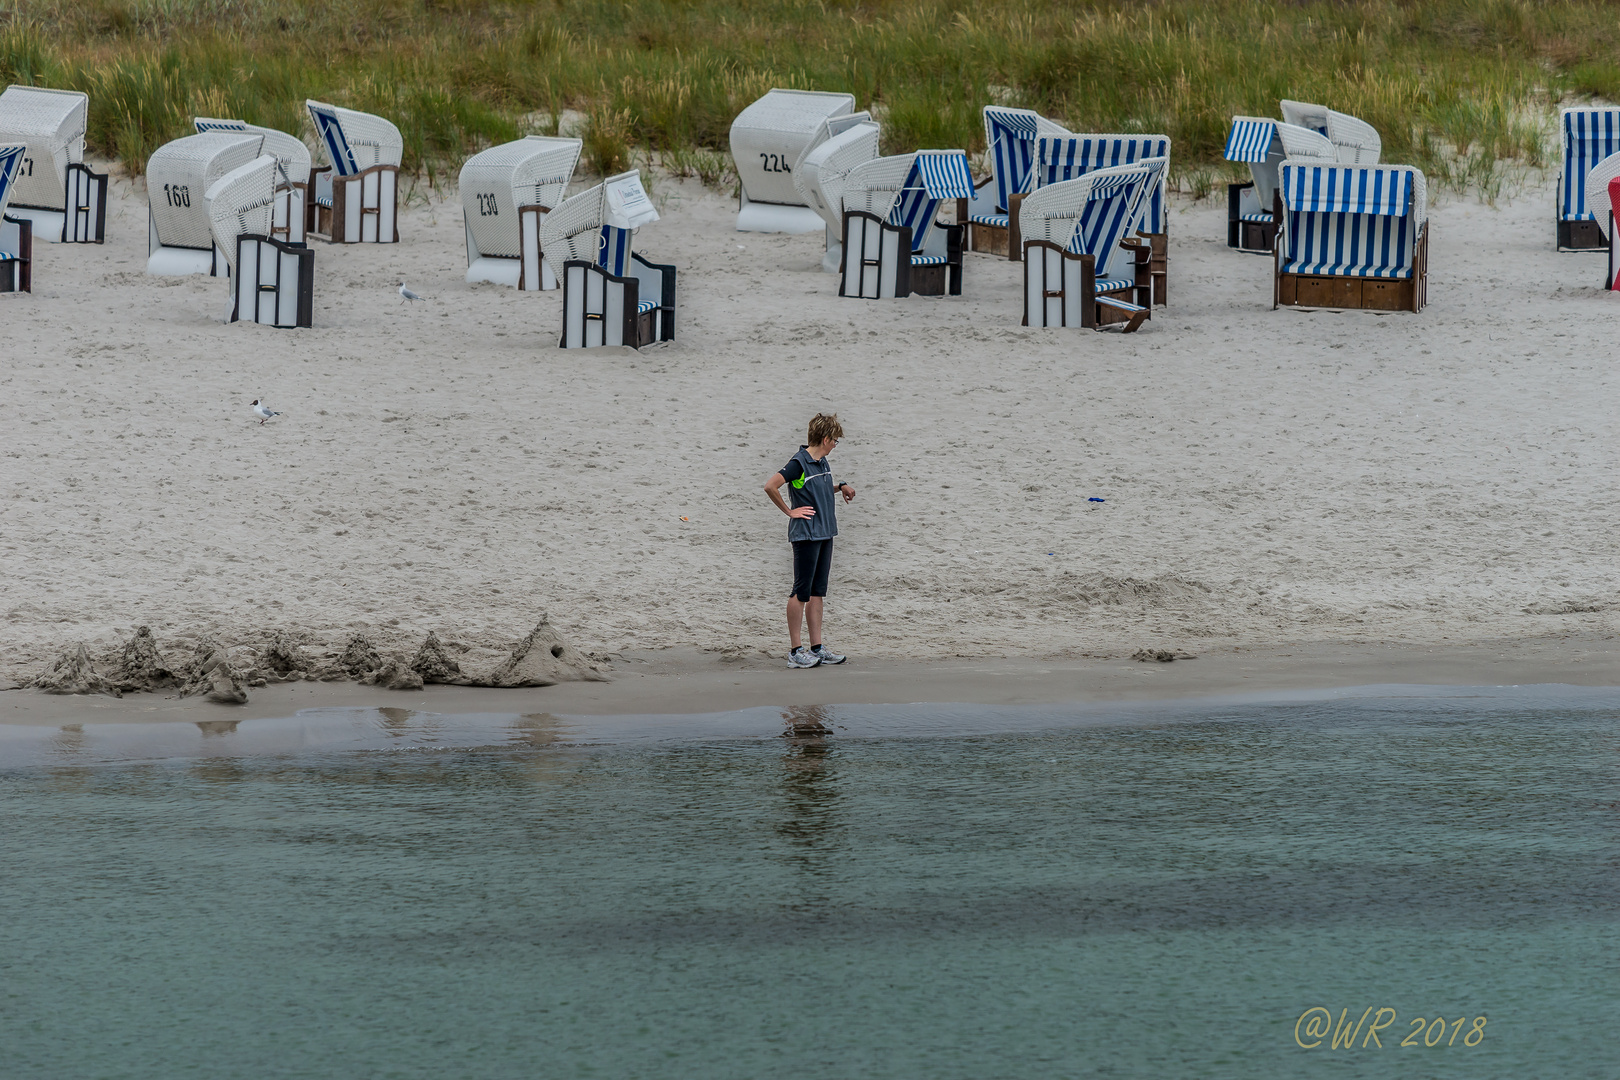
(1068, 157)
(596, 225)
(1091, 214)
(1255, 140)
(495, 183)
(772, 134)
(1590, 135)
(355, 141)
(906, 189)
(292, 156)
(179, 175)
(50, 123)
(1355, 142)
(1351, 220)
(821, 174)
(11, 159)
(1597, 188)
(242, 202)
(1009, 139)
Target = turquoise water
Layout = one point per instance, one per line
(928, 891)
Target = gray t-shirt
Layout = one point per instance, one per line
(810, 483)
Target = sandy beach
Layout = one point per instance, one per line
(1348, 485)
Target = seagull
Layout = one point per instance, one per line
(406, 296)
(262, 411)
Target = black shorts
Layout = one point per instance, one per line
(812, 562)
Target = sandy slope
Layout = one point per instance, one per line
(1269, 476)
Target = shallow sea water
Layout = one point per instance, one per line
(927, 891)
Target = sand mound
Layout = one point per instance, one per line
(141, 667)
(1160, 656)
(283, 659)
(542, 659)
(360, 657)
(211, 672)
(72, 673)
(395, 674)
(433, 663)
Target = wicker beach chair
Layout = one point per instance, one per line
(1352, 236)
(16, 234)
(356, 198)
(893, 246)
(767, 139)
(506, 192)
(1355, 142)
(1010, 136)
(820, 176)
(1263, 144)
(1590, 135)
(1060, 158)
(179, 174)
(611, 295)
(1602, 181)
(292, 173)
(1081, 266)
(62, 199)
(272, 280)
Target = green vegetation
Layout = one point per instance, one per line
(1461, 88)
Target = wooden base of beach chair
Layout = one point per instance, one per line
(1580, 236)
(1003, 240)
(1351, 293)
(1256, 237)
(16, 255)
(364, 208)
(274, 283)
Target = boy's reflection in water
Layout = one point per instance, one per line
(810, 787)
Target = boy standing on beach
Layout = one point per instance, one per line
(812, 524)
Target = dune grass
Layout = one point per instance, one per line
(1463, 88)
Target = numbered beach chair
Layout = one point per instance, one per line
(16, 234)
(1069, 157)
(506, 192)
(272, 281)
(893, 247)
(1263, 144)
(1352, 236)
(1355, 142)
(62, 199)
(292, 173)
(820, 176)
(179, 174)
(1010, 136)
(1081, 266)
(611, 295)
(767, 139)
(1590, 135)
(356, 197)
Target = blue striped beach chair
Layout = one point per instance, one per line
(1081, 266)
(356, 197)
(893, 246)
(1590, 135)
(1263, 144)
(62, 199)
(16, 234)
(1060, 158)
(611, 295)
(992, 212)
(1352, 236)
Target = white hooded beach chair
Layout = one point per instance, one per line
(820, 176)
(1263, 144)
(62, 199)
(272, 280)
(1590, 135)
(1602, 187)
(1069, 157)
(1009, 138)
(506, 192)
(1081, 266)
(611, 295)
(1355, 142)
(292, 173)
(179, 174)
(356, 197)
(1352, 236)
(893, 246)
(16, 234)
(767, 139)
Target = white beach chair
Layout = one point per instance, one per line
(1355, 142)
(16, 234)
(992, 212)
(1602, 184)
(1263, 144)
(1590, 135)
(611, 295)
(1069, 157)
(292, 173)
(893, 246)
(1352, 236)
(506, 192)
(1081, 266)
(272, 281)
(767, 139)
(820, 175)
(62, 199)
(179, 174)
(356, 199)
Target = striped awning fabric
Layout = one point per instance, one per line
(329, 133)
(944, 174)
(1249, 139)
(1590, 135)
(1347, 189)
(11, 159)
(1060, 158)
(1020, 122)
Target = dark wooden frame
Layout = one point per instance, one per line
(21, 279)
(1255, 237)
(1095, 315)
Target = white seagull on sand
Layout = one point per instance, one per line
(262, 411)
(406, 295)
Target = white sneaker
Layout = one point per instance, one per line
(803, 657)
(827, 656)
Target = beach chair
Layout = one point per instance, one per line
(1069, 157)
(1352, 236)
(1263, 144)
(1602, 184)
(356, 199)
(272, 281)
(1081, 266)
(292, 173)
(16, 234)
(767, 139)
(1355, 142)
(992, 213)
(820, 176)
(611, 295)
(1590, 135)
(893, 246)
(506, 192)
(62, 199)
(179, 174)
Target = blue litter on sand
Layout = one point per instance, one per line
(1095, 499)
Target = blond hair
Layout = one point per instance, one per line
(824, 426)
